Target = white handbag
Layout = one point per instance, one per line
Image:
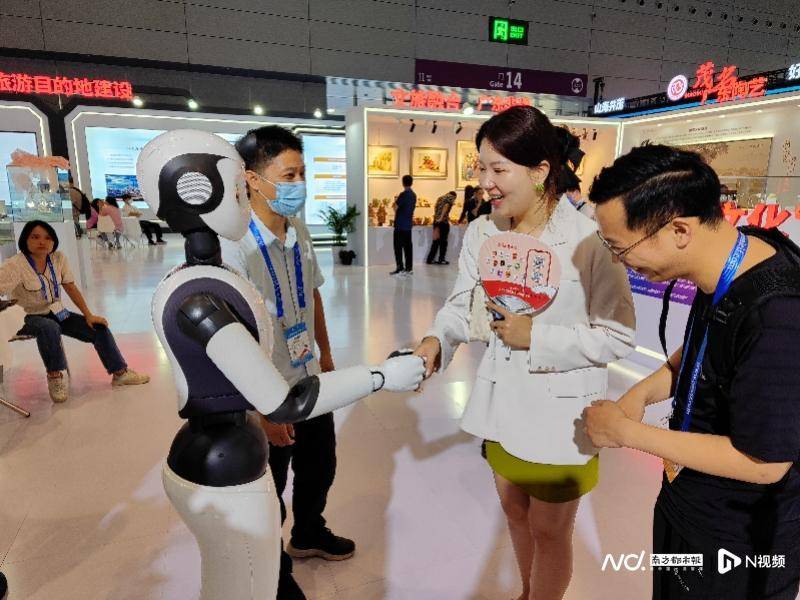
(479, 317)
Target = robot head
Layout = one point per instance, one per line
(195, 180)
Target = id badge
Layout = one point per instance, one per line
(300, 350)
(61, 314)
(671, 469)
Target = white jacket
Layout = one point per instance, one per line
(531, 401)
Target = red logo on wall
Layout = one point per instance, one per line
(22, 83)
(726, 86)
(435, 100)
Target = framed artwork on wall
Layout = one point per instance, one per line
(466, 164)
(383, 161)
(429, 163)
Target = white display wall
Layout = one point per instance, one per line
(772, 118)
(388, 131)
(390, 127)
(143, 125)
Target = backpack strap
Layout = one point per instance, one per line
(738, 306)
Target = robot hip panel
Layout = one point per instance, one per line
(238, 531)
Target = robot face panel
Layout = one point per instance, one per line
(195, 180)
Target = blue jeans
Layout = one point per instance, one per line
(48, 331)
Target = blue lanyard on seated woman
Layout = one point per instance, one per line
(63, 313)
(723, 285)
(298, 271)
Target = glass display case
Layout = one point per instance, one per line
(37, 193)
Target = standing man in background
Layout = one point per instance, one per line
(404, 207)
(441, 228)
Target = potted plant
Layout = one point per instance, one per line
(341, 223)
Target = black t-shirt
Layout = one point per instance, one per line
(403, 216)
(761, 416)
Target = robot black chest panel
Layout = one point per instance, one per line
(209, 390)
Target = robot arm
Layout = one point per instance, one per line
(317, 395)
(210, 322)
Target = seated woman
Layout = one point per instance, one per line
(35, 277)
(110, 208)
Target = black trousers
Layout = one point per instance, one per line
(741, 583)
(440, 244)
(149, 228)
(313, 460)
(402, 246)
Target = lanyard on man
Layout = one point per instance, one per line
(297, 338)
(726, 278)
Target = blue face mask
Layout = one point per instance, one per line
(290, 198)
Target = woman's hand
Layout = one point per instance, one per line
(514, 330)
(431, 352)
(92, 320)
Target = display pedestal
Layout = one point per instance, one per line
(381, 244)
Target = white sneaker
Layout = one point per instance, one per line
(129, 377)
(58, 388)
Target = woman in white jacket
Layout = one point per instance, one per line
(538, 373)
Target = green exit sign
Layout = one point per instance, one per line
(508, 31)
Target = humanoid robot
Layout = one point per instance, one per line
(217, 334)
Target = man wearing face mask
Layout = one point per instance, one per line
(278, 258)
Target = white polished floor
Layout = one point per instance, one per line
(83, 514)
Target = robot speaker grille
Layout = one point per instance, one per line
(194, 188)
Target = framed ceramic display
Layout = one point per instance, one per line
(429, 163)
(383, 161)
(466, 164)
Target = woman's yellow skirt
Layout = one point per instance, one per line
(548, 483)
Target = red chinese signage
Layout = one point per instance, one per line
(726, 86)
(435, 100)
(22, 83)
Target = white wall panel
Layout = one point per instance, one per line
(622, 21)
(239, 25)
(367, 40)
(20, 8)
(22, 32)
(367, 66)
(627, 45)
(286, 8)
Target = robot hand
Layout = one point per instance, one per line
(402, 372)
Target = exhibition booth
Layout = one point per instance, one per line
(32, 193)
(104, 144)
(436, 147)
(752, 143)
(751, 140)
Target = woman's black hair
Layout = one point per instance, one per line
(22, 243)
(96, 205)
(567, 181)
(525, 136)
(260, 146)
(657, 183)
(112, 201)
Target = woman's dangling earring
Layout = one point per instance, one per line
(539, 187)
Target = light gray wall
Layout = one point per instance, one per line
(637, 45)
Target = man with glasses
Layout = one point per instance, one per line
(731, 484)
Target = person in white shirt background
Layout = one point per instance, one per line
(538, 373)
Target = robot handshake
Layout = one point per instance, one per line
(216, 331)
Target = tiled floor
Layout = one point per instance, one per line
(83, 514)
